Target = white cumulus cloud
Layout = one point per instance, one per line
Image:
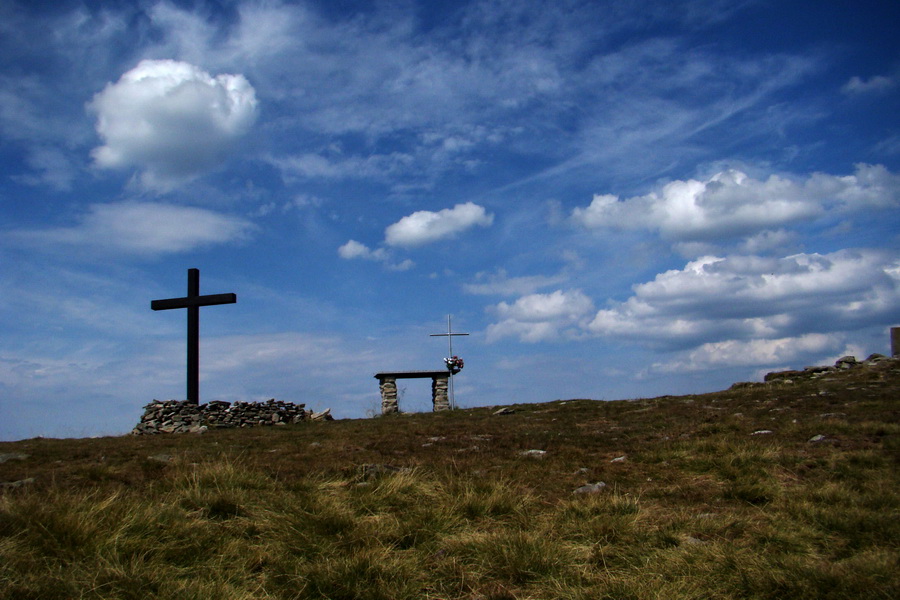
(733, 204)
(171, 120)
(538, 317)
(778, 351)
(726, 311)
(424, 226)
(354, 250)
(717, 299)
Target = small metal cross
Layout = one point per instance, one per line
(449, 335)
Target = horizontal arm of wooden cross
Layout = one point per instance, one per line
(191, 301)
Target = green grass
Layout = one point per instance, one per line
(699, 508)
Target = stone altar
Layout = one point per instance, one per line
(387, 383)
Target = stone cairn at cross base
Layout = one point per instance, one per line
(180, 416)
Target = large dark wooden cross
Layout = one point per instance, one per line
(192, 302)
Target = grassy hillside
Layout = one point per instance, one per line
(783, 490)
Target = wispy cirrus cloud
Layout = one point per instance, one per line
(141, 228)
(408, 105)
(50, 166)
(875, 84)
(415, 99)
(499, 283)
(336, 166)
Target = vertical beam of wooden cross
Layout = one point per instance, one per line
(449, 336)
(192, 302)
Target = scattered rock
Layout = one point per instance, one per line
(163, 458)
(741, 385)
(762, 432)
(374, 471)
(325, 415)
(12, 456)
(846, 362)
(618, 459)
(842, 364)
(817, 438)
(534, 453)
(505, 411)
(591, 488)
(692, 541)
(822, 373)
(782, 376)
(11, 485)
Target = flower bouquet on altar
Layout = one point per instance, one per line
(454, 364)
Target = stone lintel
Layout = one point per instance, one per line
(411, 375)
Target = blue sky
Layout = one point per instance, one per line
(615, 199)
